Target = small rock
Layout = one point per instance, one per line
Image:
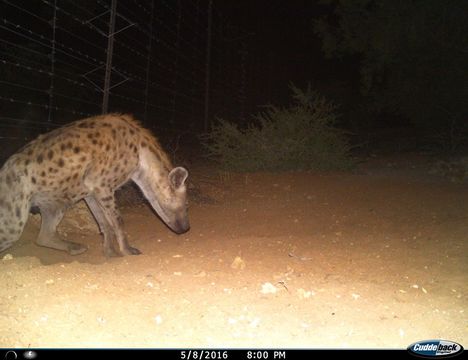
(268, 288)
(305, 294)
(254, 322)
(7, 257)
(238, 263)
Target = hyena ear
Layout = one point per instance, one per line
(177, 177)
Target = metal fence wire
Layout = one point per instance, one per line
(165, 61)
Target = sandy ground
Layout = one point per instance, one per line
(377, 258)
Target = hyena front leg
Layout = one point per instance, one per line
(106, 203)
(51, 215)
(105, 227)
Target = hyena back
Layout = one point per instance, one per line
(89, 159)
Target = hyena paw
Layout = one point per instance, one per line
(110, 252)
(76, 249)
(131, 251)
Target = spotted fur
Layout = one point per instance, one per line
(89, 159)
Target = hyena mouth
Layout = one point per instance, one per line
(180, 226)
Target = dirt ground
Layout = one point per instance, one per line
(376, 258)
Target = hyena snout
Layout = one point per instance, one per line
(178, 221)
(180, 225)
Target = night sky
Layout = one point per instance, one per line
(418, 50)
(284, 49)
(416, 62)
(283, 45)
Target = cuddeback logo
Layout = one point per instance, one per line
(435, 348)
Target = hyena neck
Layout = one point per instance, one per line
(153, 169)
(152, 178)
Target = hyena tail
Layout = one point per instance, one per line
(13, 216)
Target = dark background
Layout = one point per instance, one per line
(53, 65)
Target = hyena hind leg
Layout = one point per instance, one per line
(51, 215)
(8, 236)
(13, 219)
(5, 242)
(106, 229)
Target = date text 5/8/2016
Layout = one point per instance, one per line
(232, 355)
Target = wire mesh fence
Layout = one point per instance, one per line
(61, 60)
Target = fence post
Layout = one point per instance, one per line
(148, 62)
(176, 61)
(243, 80)
(110, 49)
(208, 66)
(52, 66)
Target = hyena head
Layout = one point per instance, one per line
(167, 195)
(165, 189)
(172, 200)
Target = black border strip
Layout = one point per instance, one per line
(202, 354)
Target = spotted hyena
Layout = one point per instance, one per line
(89, 159)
